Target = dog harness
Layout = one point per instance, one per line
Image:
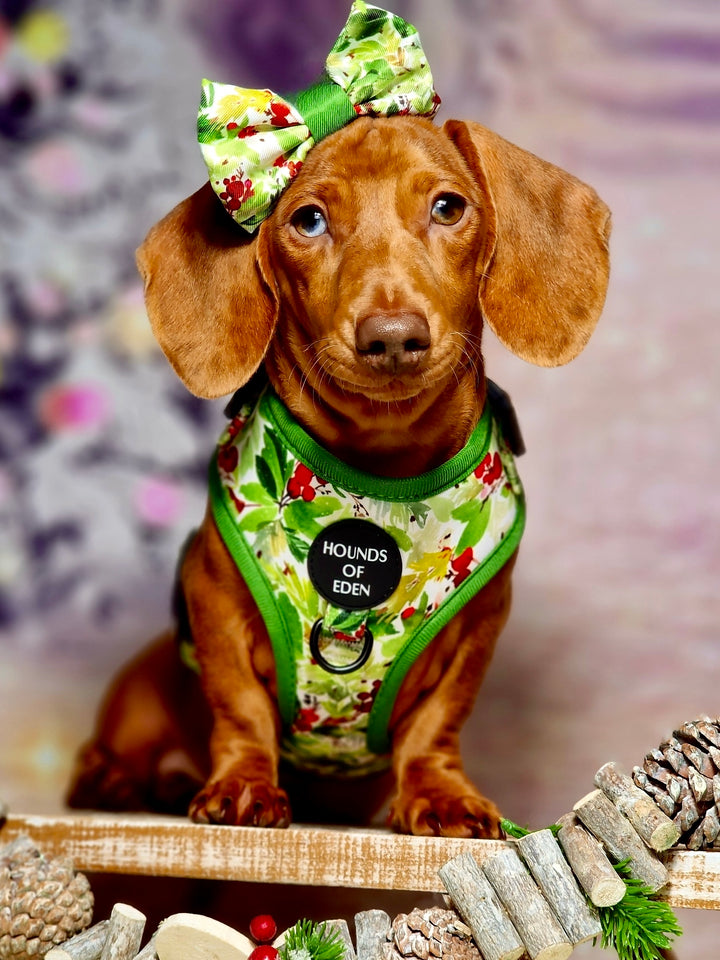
(355, 574)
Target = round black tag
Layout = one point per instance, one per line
(354, 564)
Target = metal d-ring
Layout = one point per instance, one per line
(331, 667)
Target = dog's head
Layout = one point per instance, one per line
(376, 268)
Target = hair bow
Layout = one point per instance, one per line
(254, 141)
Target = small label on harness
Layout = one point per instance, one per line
(354, 564)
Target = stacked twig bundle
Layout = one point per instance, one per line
(532, 898)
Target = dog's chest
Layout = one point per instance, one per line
(354, 574)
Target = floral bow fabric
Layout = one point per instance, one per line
(254, 141)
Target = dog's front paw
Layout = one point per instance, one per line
(445, 810)
(241, 803)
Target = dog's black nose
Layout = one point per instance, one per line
(392, 341)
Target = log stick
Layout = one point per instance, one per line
(529, 911)
(124, 933)
(589, 863)
(657, 830)
(553, 875)
(372, 929)
(604, 820)
(479, 906)
(148, 952)
(87, 945)
(344, 933)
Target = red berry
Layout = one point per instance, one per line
(263, 929)
(264, 952)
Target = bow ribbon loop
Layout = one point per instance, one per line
(254, 142)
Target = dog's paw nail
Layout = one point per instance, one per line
(434, 825)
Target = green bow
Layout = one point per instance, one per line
(254, 141)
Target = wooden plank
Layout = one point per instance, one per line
(694, 879)
(315, 856)
(172, 846)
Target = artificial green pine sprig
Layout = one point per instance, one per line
(640, 925)
(312, 941)
(515, 830)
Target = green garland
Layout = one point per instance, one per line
(640, 925)
(312, 941)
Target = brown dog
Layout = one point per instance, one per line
(363, 294)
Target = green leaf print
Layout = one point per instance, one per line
(347, 621)
(301, 516)
(277, 459)
(420, 511)
(205, 129)
(298, 546)
(476, 520)
(207, 95)
(256, 493)
(267, 477)
(253, 520)
(401, 538)
(404, 28)
(294, 629)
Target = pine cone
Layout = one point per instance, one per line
(42, 901)
(434, 932)
(683, 778)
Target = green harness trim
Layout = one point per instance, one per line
(273, 489)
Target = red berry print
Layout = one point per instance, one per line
(460, 566)
(280, 113)
(489, 469)
(306, 719)
(236, 192)
(407, 612)
(263, 928)
(300, 484)
(227, 458)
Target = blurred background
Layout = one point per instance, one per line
(613, 637)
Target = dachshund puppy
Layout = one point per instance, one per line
(362, 298)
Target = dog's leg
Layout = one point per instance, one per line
(434, 797)
(238, 678)
(149, 750)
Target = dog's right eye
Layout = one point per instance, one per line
(309, 222)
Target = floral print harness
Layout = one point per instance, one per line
(355, 574)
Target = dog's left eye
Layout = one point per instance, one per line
(309, 222)
(448, 209)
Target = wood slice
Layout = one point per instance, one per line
(529, 911)
(657, 830)
(477, 903)
(372, 929)
(87, 945)
(191, 936)
(124, 934)
(603, 819)
(555, 879)
(589, 863)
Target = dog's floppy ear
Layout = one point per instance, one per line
(209, 294)
(545, 280)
